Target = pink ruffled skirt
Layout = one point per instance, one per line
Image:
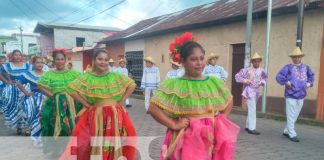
(205, 139)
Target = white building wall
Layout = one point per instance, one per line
(66, 38)
(27, 39)
(135, 45)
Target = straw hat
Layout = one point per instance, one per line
(256, 56)
(175, 63)
(212, 55)
(296, 52)
(122, 60)
(111, 60)
(149, 59)
(49, 58)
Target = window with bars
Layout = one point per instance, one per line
(80, 41)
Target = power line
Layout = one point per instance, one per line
(122, 20)
(44, 6)
(155, 9)
(99, 12)
(32, 10)
(89, 4)
(19, 9)
(173, 6)
(118, 19)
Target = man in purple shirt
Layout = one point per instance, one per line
(252, 78)
(296, 77)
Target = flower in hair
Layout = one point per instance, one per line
(177, 44)
(60, 50)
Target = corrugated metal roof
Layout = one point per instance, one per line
(40, 27)
(199, 16)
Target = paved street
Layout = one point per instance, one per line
(270, 145)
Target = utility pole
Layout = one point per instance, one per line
(300, 24)
(21, 39)
(266, 56)
(248, 34)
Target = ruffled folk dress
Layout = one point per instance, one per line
(102, 128)
(59, 111)
(2, 86)
(207, 137)
(13, 97)
(32, 106)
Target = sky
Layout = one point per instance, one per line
(108, 13)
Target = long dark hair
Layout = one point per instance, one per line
(56, 53)
(97, 52)
(15, 51)
(95, 55)
(35, 59)
(187, 48)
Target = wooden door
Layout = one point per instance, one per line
(87, 58)
(320, 97)
(237, 64)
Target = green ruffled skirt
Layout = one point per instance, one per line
(58, 122)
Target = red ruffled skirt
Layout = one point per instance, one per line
(103, 132)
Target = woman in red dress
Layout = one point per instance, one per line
(104, 124)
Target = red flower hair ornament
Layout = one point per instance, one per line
(60, 50)
(10, 57)
(178, 42)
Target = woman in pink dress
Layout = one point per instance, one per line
(194, 109)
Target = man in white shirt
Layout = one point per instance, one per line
(175, 71)
(150, 79)
(123, 70)
(112, 68)
(213, 69)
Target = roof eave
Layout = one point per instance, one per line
(260, 14)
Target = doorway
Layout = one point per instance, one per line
(135, 68)
(237, 65)
(320, 95)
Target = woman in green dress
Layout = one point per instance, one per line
(104, 119)
(59, 111)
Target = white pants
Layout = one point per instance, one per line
(148, 94)
(293, 108)
(251, 117)
(127, 102)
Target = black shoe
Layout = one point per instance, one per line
(128, 105)
(27, 133)
(19, 131)
(286, 135)
(246, 129)
(294, 139)
(253, 132)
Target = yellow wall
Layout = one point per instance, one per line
(219, 39)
